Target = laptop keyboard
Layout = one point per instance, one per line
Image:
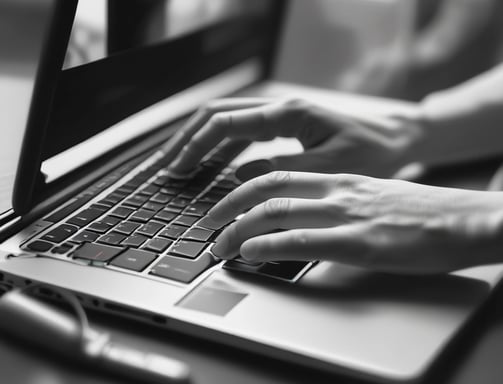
(152, 224)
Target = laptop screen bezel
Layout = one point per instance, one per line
(28, 181)
(49, 100)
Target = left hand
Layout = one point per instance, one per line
(386, 225)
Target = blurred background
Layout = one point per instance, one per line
(395, 48)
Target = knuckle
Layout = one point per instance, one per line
(277, 209)
(298, 110)
(296, 104)
(301, 238)
(272, 181)
(348, 181)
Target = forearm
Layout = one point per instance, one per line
(463, 123)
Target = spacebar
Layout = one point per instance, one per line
(183, 270)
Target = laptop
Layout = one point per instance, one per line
(88, 206)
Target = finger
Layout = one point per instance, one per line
(342, 244)
(261, 123)
(274, 214)
(260, 189)
(203, 115)
(308, 161)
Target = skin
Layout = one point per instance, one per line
(386, 225)
(332, 141)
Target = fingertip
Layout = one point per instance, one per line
(250, 251)
(219, 249)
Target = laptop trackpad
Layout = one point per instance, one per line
(213, 300)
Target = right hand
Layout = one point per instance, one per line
(333, 142)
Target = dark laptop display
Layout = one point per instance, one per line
(148, 53)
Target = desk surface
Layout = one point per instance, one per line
(475, 357)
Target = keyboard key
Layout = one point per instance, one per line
(183, 270)
(97, 252)
(39, 246)
(112, 238)
(180, 202)
(134, 241)
(207, 223)
(99, 207)
(187, 248)
(122, 212)
(187, 221)
(150, 190)
(134, 260)
(174, 208)
(85, 236)
(198, 209)
(125, 190)
(126, 227)
(150, 229)
(136, 201)
(161, 198)
(156, 207)
(166, 216)
(114, 198)
(104, 225)
(106, 203)
(62, 249)
(188, 195)
(158, 245)
(61, 233)
(142, 215)
(286, 270)
(85, 217)
(109, 220)
(99, 227)
(170, 191)
(210, 198)
(173, 231)
(198, 234)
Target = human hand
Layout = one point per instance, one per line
(332, 141)
(385, 225)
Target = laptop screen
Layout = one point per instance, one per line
(118, 70)
(124, 57)
(159, 21)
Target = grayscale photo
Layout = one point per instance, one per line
(236, 191)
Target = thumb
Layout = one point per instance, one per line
(303, 162)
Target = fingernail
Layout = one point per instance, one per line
(254, 169)
(220, 249)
